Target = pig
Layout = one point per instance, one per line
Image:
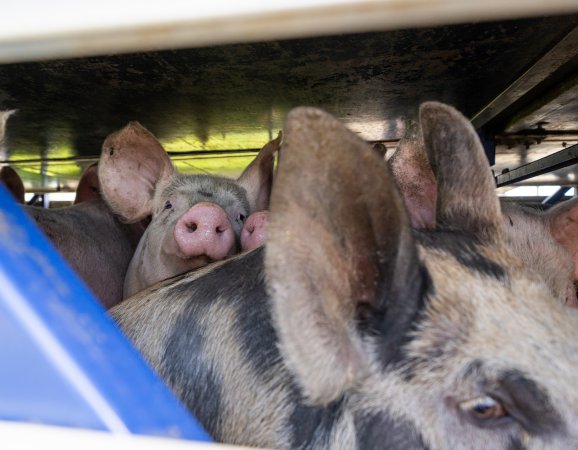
(254, 232)
(13, 183)
(96, 244)
(414, 177)
(351, 330)
(88, 186)
(196, 219)
(547, 241)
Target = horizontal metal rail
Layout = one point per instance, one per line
(79, 29)
(550, 163)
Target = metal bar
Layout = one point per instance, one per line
(34, 199)
(172, 154)
(556, 196)
(225, 153)
(536, 133)
(559, 55)
(558, 160)
(79, 29)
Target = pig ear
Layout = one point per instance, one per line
(414, 177)
(339, 246)
(467, 199)
(257, 178)
(88, 186)
(13, 183)
(564, 228)
(131, 165)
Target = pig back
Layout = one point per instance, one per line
(210, 336)
(94, 242)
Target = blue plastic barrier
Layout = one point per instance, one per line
(63, 360)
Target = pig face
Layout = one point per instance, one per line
(362, 333)
(195, 219)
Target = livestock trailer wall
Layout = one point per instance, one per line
(214, 83)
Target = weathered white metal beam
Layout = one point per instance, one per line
(36, 29)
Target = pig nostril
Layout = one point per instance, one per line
(192, 227)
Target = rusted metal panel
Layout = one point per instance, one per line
(555, 59)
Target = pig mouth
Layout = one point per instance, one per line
(195, 262)
(199, 260)
(181, 262)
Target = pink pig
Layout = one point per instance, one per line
(195, 219)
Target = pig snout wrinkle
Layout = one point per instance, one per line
(204, 230)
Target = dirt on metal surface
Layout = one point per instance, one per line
(236, 96)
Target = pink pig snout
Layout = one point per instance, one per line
(254, 232)
(205, 230)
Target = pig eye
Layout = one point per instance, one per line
(242, 218)
(168, 205)
(483, 411)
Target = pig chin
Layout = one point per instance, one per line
(162, 268)
(193, 262)
(176, 262)
(152, 264)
